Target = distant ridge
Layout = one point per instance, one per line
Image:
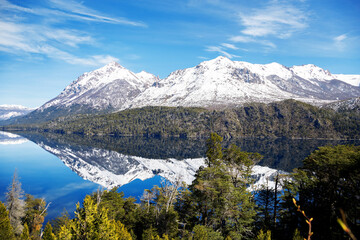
(12, 111)
(217, 83)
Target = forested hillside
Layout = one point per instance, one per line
(291, 119)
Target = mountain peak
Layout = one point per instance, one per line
(220, 60)
(311, 71)
(113, 64)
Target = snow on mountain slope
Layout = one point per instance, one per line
(348, 104)
(310, 71)
(10, 111)
(106, 87)
(222, 82)
(216, 83)
(350, 79)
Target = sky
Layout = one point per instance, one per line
(47, 44)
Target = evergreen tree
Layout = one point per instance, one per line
(6, 230)
(214, 152)
(219, 191)
(15, 204)
(329, 181)
(265, 201)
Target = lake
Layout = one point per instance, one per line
(64, 168)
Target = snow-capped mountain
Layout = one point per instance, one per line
(222, 82)
(11, 111)
(215, 83)
(101, 90)
(348, 78)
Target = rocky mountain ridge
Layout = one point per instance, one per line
(217, 83)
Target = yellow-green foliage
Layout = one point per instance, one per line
(6, 230)
(90, 222)
(264, 236)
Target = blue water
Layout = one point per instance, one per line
(43, 175)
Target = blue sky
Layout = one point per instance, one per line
(47, 44)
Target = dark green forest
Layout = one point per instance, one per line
(317, 201)
(289, 118)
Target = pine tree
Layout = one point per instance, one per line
(15, 204)
(6, 230)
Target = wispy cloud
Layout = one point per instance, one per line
(279, 20)
(339, 41)
(35, 39)
(78, 10)
(340, 38)
(220, 50)
(203, 58)
(263, 24)
(247, 39)
(20, 36)
(230, 46)
(69, 10)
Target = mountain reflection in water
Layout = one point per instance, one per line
(112, 162)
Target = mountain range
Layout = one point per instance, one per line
(216, 83)
(11, 111)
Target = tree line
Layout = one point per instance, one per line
(317, 201)
(289, 118)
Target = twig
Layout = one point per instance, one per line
(307, 219)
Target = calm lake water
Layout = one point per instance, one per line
(64, 168)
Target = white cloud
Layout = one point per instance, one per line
(340, 42)
(230, 46)
(220, 50)
(203, 58)
(82, 12)
(69, 10)
(34, 39)
(277, 19)
(340, 38)
(246, 39)
(21, 38)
